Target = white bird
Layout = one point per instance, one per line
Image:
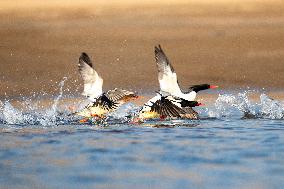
(171, 101)
(168, 78)
(102, 102)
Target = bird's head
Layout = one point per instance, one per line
(201, 87)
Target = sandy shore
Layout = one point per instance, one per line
(233, 45)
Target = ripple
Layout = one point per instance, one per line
(50, 142)
(86, 179)
(215, 153)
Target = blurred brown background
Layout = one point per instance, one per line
(230, 43)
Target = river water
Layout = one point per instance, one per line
(225, 149)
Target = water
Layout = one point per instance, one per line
(238, 143)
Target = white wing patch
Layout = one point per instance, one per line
(94, 89)
(93, 83)
(166, 74)
(147, 106)
(168, 78)
(175, 101)
(168, 83)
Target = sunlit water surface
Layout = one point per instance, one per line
(222, 150)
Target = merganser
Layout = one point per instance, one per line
(102, 102)
(168, 78)
(175, 103)
(167, 106)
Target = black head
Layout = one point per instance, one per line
(201, 87)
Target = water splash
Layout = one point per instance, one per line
(124, 111)
(11, 115)
(227, 104)
(271, 108)
(50, 115)
(32, 113)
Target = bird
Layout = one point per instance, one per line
(164, 105)
(171, 101)
(101, 102)
(168, 78)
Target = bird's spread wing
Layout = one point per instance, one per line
(164, 107)
(166, 73)
(105, 103)
(98, 107)
(169, 106)
(92, 81)
(120, 95)
(190, 113)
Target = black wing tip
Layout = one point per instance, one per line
(85, 58)
(160, 54)
(158, 49)
(84, 54)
